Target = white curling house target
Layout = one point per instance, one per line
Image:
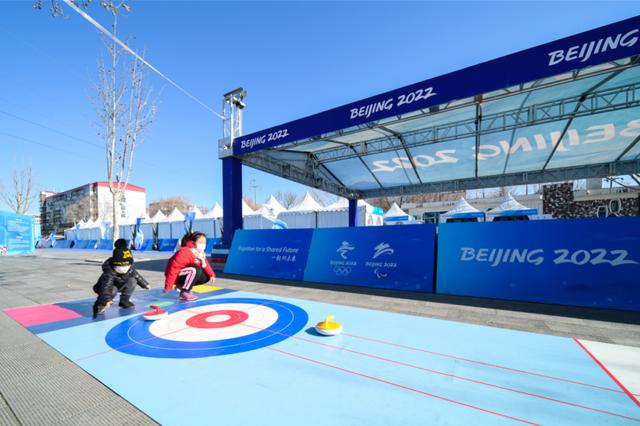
(209, 328)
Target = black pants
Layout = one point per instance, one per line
(190, 276)
(108, 286)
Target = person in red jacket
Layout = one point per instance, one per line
(188, 266)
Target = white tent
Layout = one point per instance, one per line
(308, 204)
(158, 217)
(175, 216)
(246, 210)
(396, 216)
(209, 223)
(510, 207)
(214, 213)
(266, 217)
(176, 222)
(302, 215)
(336, 214)
(274, 205)
(462, 211)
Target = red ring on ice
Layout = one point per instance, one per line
(202, 320)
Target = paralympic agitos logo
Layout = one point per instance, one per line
(587, 50)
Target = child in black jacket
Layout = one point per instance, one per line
(118, 275)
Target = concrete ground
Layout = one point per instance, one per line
(40, 386)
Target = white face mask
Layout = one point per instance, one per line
(201, 247)
(122, 269)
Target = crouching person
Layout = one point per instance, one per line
(118, 275)
(188, 267)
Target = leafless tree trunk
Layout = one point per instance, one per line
(20, 197)
(287, 198)
(125, 109)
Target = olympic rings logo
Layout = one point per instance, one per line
(342, 271)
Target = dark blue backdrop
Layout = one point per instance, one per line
(583, 262)
(395, 257)
(269, 253)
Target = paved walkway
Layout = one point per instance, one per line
(40, 386)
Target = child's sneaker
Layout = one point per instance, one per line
(99, 309)
(126, 304)
(188, 296)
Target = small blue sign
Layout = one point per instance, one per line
(398, 257)
(269, 253)
(16, 233)
(581, 262)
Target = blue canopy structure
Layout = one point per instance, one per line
(568, 109)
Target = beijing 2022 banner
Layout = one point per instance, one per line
(394, 257)
(582, 262)
(279, 253)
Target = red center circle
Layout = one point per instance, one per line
(201, 320)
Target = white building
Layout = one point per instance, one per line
(92, 201)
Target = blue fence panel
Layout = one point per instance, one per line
(62, 244)
(394, 257)
(582, 262)
(80, 244)
(146, 245)
(106, 245)
(279, 253)
(167, 244)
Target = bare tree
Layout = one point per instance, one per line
(288, 199)
(167, 204)
(123, 103)
(125, 109)
(254, 206)
(21, 195)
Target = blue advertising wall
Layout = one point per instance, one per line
(16, 232)
(270, 253)
(395, 257)
(582, 262)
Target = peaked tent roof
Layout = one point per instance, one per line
(175, 216)
(509, 204)
(308, 204)
(275, 205)
(463, 209)
(214, 213)
(395, 211)
(246, 210)
(158, 217)
(343, 203)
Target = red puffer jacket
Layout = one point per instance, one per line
(186, 256)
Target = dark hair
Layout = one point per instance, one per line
(191, 236)
(120, 243)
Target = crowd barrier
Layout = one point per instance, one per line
(581, 262)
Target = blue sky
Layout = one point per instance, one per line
(293, 58)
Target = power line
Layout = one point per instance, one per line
(95, 145)
(135, 54)
(26, 120)
(56, 148)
